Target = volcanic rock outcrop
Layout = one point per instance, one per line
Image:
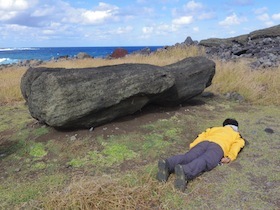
(262, 45)
(84, 98)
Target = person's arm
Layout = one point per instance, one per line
(235, 148)
(201, 137)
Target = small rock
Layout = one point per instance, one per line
(91, 129)
(269, 184)
(269, 130)
(234, 96)
(73, 138)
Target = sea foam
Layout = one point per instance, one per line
(7, 61)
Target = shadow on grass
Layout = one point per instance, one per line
(9, 147)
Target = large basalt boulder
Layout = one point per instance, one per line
(83, 98)
(192, 76)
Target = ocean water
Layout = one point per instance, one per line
(15, 55)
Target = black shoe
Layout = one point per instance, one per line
(180, 181)
(163, 171)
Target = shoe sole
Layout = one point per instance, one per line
(180, 181)
(162, 174)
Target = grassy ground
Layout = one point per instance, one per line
(114, 166)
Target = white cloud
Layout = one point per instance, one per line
(260, 10)
(105, 6)
(45, 11)
(192, 5)
(185, 20)
(13, 5)
(104, 12)
(232, 20)
(142, 1)
(269, 23)
(95, 17)
(160, 29)
(7, 15)
(124, 30)
(263, 17)
(10, 9)
(242, 2)
(148, 11)
(48, 32)
(165, 28)
(276, 16)
(206, 16)
(196, 29)
(55, 24)
(147, 30)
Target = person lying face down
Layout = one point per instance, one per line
(211, 147)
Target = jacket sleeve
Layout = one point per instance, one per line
(235, 148)
(201, 137)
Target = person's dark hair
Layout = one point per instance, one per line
(230, 121)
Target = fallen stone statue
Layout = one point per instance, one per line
(85, 98)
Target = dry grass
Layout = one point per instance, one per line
(256, 86)
(159, 58)
(9, 84)
(107, 193)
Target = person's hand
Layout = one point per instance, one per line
(225, 160)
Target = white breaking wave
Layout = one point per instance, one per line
(18, 48)
(7, 61)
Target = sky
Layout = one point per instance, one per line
(69, 23)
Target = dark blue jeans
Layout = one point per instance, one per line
(202, 157)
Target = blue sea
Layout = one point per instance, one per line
(15, 55)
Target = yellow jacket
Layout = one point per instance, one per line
(229, 140)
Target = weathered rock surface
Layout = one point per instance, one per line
(262, 45)
(192, 76)
(29, 63)
(76, 98)
(144, 51)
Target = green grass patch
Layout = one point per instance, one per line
(112, 154)
(116, 153)
(154, 145)
(14, 117)
(37, 150)
(13, 192)
(38, 166)
(40, 131)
